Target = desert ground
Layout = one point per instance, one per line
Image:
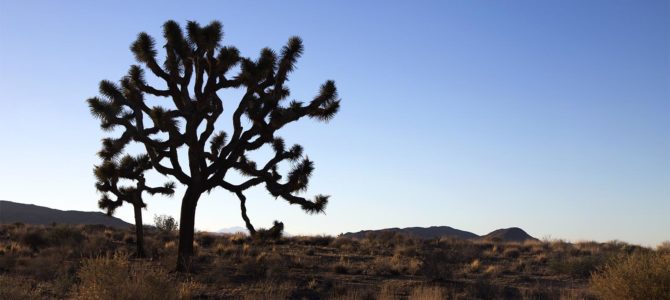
(97, 262)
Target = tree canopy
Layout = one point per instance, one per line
(195, 68)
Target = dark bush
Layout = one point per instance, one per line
(34, 240)
(580, 266)
(64, 235)
(206, 240)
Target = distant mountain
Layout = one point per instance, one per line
(12, 212)
(232, 230)
(513, 234)
(420, 232)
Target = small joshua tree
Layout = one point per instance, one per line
(130, 168)
(195, 69)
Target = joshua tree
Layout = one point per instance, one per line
(195, 68)
(130, 168)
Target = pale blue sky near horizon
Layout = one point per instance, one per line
(552, 116)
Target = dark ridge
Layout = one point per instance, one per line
(12, 212)
(513, 234)
(419, 232)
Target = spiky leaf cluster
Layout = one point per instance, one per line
(196, 66)
(110, 172)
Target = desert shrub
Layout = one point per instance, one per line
(405, 265)
(579, 266)
(165, 224)
(274, 233)
(436, 265)
(17, 248)
(129, 239)
(270, 289)
(318, 240)
(664, 247)
(228, 250)
(34, 239)
(64, 235)
(7, 261)
(428, 293)
(358, 294)
(512, 252)
(113, 277)
(14, 288)
(382, 266)
(343, 243)
(249, 267)
(642, 275)
(45, 266)
(406, 250)
(96, 245)
(205, 240)
(475, 266)
(484, 289)
(340, 268)
(275, 264)
(238, 238)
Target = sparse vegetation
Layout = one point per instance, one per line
(93, 262)
(641, 275)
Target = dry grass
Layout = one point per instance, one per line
(642, 275)
(114, 277)
(93, 263)
(428, 293)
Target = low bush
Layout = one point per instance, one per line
(578, 266)
(13, 288)
(112, 277)
(64, 235)
(642, 275)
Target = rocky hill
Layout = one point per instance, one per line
(513, 234)
(12, 212)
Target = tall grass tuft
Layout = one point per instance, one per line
(641, 275)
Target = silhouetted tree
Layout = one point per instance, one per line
(194, 70)
(108, 174)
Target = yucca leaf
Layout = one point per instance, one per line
(278, 145)
(217, 141)
(144, 48)
(175, 39)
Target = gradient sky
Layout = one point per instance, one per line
(553, 116)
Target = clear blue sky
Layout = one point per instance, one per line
(553, 116)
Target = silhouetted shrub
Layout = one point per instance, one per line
(166, 224)
(274, 233)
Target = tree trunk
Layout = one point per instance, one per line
(186, 229)
(139, 231)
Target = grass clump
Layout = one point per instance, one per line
(113, 277)
(641, 275)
